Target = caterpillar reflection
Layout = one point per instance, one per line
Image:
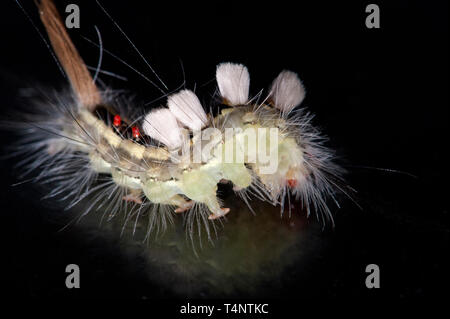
(88, 144)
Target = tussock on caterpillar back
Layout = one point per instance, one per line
(94, 143)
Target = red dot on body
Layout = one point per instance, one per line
(135, 132)
(117, 120)
(292, 182)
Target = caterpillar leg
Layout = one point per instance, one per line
(183, 205)
(166, 193)
(133, 196)
(238, 174)
(222, 212)
(200, 185)
(214, 207)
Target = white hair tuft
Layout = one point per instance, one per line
(287, 91)
(187, 108)
(162, 125)
(234, 82)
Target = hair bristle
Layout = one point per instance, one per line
(162, 125)
(287, 91)
(187, 108)
(234, 83)
(82, 83)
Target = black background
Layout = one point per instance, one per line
(381, 95)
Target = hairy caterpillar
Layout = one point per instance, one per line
(86, 144)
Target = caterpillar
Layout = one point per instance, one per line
(93, 142)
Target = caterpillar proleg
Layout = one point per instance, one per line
(172, 159)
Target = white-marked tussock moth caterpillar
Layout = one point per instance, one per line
(87, 145)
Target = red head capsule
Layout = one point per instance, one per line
(117, 120)
(135, 132)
